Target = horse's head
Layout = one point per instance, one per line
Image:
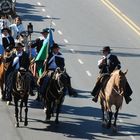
(62, 78)
(120, 80)
(23, 80)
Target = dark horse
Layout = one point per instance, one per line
(21, 89)
(56, 92)
(112, 94)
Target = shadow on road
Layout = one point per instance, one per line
(122, 54)
(85, 123)
(25, 10)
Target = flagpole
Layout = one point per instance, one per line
(47, 48)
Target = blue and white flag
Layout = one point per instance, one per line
(1, 46)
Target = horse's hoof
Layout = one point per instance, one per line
(17, 125)
(108, 126)
(56, 121)
(114, 129)
(104, 124)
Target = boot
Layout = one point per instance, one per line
(127, 99)
(95, 99)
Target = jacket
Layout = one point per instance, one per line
(111, 63)
(55, 60)
(8, 42)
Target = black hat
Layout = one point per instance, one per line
(5, 29)
(46, 30)
(106, 48)
(19, 45)
(55, 45)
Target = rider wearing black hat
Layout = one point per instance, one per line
(107, 64)
(7, 39)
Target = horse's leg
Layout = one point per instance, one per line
(115, 119)
(16, 112)
(21, 106)
(57, 112)
(58, 108)
(38, 98)
(103, 117)
(48, 111)
(52, 108)
(26, 112)
(110, 118)
(2, 90)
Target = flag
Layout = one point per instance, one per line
(47, 44)
(1, 46)
(44, 51)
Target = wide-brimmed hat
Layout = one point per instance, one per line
(106, 48)
(55, 45)
(46, 30)
(5, 29)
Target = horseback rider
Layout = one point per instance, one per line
(7, 39)
(9, 57)
(55, 59)
(39, 44)
(20, 62)
(17, 27)
(22, 58)
(107, 64)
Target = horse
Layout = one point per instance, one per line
(21, 89)
(2, 74)
(3, 67)
(55, 93)
(111, 94)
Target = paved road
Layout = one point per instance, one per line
(82, 28)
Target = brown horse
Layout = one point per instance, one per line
(2, 74)
(112, 94)
(21, 82)
(3, 68)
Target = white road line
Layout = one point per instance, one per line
(132, 137)
(48, 16)
(43, 10)
(39, 3)
(80, 61)
(88, 73)
(120, 120)
(65, 40)
(72, 50)
(59, 32)
(53, 23)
